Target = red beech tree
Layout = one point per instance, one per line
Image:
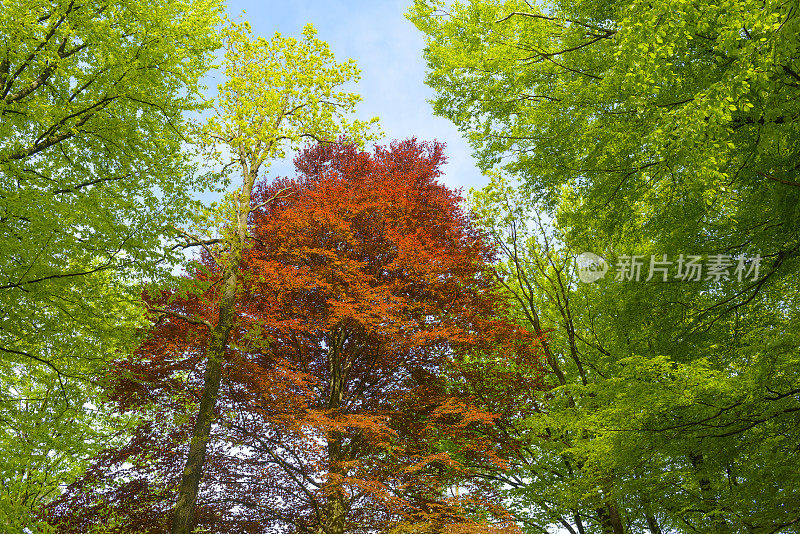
(368, 333)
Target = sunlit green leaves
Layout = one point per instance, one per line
(643, 128)
(93, 99)
(280, 93)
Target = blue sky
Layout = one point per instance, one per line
(388, 50)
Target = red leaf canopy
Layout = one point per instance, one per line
(366, 317)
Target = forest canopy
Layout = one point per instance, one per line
(657, 134)
(604, 338)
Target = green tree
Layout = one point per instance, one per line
(555, 479)
(657, 418)
(93, 97)
(677, 120)
(278, 93)
(647, 128)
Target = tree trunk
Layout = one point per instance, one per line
(335, 507)
(334, 510)
(578, 522)
(609, 519)
(183, 521)
(616, 518)
(652, 523)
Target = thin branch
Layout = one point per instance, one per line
(88, 183)
(785, 182)
(20, 284)
(60, 374)
(606, 31)
(195, 241)
(276, 196)
(170, 313)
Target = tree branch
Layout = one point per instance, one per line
(169, 313)
(779, 180)
(274, 197)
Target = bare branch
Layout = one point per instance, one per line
(273, 198)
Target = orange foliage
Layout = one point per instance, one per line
(368, 337)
